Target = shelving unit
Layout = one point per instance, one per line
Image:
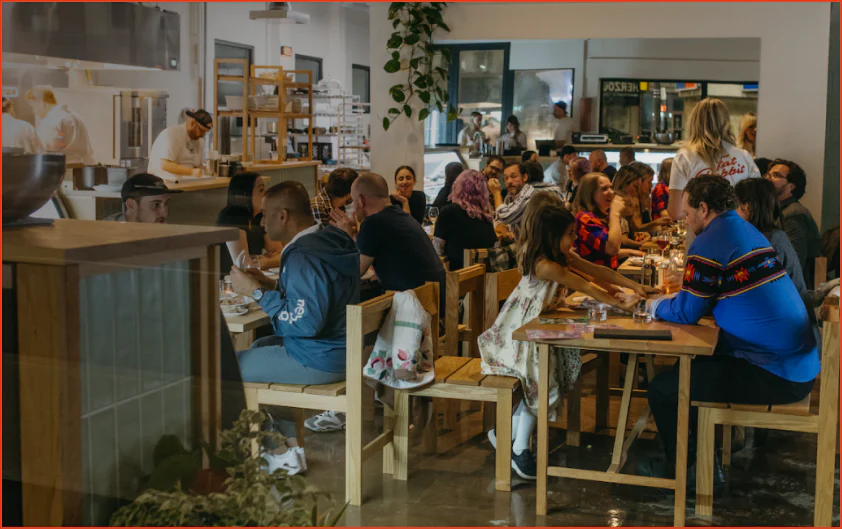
(283, 117)
(243, 63)
(342, 118)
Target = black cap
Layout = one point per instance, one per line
(204, 117)
(145, 185)
(567, 149)
(561, 104)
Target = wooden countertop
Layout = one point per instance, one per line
(70, 241)
(281, 165)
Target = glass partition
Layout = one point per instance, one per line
(534, 95)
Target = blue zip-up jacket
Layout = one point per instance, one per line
(733, 271)
(320, 275)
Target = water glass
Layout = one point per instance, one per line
(255, 263)
(597, 313)
(225, 288)
(642, 317)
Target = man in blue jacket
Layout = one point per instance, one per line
(766, 352)
(320, 275)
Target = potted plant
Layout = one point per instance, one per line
(232, 491)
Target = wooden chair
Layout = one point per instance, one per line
(361, 320)
(472, 257)
(795, 417)
(470, 283)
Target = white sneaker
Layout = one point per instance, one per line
(329, 421)
(290, 461)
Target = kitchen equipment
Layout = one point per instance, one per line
(271, 127)
(89, 176)
(600, 139)
(29, 181)
(122, 123)
(664, 138)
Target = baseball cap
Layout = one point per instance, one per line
(561, 104)
(145, 185)
(204, 117)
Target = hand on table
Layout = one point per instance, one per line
(629, 305)
(646, 292)
(245, 283)
(341, 220)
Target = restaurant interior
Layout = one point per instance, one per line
(485, 264)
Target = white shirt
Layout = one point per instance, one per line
(564, 130)
(64, 132)
(514, 141)
(20, 134)
(556, 173)
(175, 145)
(737, 165)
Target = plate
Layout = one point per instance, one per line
(275, 270)
(234, 311)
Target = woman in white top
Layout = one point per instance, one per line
(19, 133)
(747, 137)
(709, 149)
(514, 138)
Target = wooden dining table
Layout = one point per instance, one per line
(688, 341)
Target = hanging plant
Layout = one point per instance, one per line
(412, 51)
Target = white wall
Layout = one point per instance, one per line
(792, 70)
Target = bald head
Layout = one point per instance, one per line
(370, 194)
(371, 185)
(598, 160)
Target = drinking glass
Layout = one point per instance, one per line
(597, 313)
(433, 214)
(662, 241)
(642, 317)
(255, 262)
(225, 289)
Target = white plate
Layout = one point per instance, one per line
(275, 270)
(234, 311)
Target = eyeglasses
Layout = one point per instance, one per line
(776, 175)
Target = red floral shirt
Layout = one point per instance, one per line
(660, 199)
(591, 238)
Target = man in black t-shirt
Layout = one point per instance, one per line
(389, 239)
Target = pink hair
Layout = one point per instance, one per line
(470, 192)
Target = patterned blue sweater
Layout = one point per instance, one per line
(734, 273)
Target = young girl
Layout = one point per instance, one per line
(547, 264)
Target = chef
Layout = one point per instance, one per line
(179, 150)
(18, 133)
(59, 129)
(563, 134)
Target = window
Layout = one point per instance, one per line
(361, 83)
(231, 50)
(535, 93)
(313, 64)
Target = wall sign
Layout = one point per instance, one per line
(622, 87)
(286, 51)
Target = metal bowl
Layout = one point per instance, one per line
(29, 181)
(664, 138)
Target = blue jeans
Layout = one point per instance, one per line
(268, 362)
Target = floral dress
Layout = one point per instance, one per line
(501, 355)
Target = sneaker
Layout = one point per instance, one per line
(329, 421)
(524, 465)
(288, 461)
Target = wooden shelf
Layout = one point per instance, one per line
(277, 82)
(278, 115)
(237, 113)
(238, 78)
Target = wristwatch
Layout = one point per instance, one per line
(258, 294)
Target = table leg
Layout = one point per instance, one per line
(622, 420)
(543, 427)
(681, 440)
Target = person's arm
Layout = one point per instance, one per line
(674, 209)
(657, 223)
(628, 252)
(496, 192)
(402, 201)
(678, 181)
(511, 212)
(628, 243)
(365, 264)
(552, 271)
(615, 234)
(665, 214)
(341, 220)
(606, 274)
(303, 311)
(796, 229)
(178, 169)
(696, 298)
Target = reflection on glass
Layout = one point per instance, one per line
(740, 100)
(535, 93)
(434, 164)
(481, 90)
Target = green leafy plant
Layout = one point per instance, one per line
(234, 491)
(413, 51)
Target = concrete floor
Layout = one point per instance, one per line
(771, 485)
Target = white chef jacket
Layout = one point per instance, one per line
(64, 132)
(20, 134)
(175, 145)
(564, 130)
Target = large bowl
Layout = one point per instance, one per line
(664, 138)
(29, 181)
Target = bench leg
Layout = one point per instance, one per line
(252, 405)
(389, 448)
(354, 448)
(503, 429)
(299, 426)
(603, 399)
(704, 462)
(574, 405)
(401, 435)
(727, 429)
(431, 431)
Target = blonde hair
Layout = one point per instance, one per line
(746, 122)
(708, 127)
(41, 94)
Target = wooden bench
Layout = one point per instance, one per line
(796, 417)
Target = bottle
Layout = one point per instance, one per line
(647, 272)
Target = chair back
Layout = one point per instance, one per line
(819, 272)
(498, 287)
(468, 281)
(829, 378)
(472, 257)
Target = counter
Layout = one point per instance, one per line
(114, 342)
(202, 199)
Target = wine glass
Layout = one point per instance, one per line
(662, 241)
(433, 214)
